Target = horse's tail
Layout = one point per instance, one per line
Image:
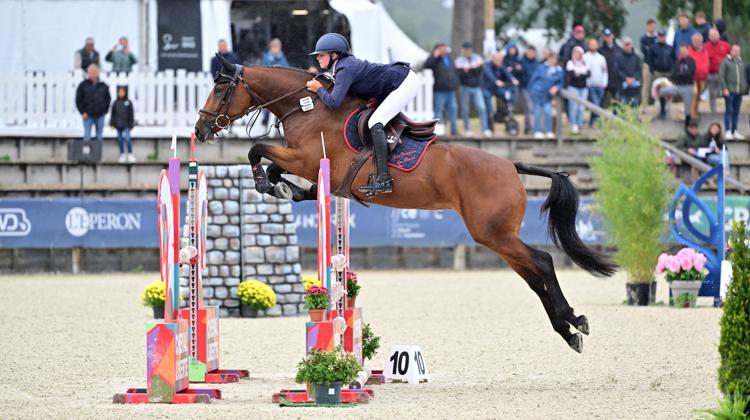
(562, 205)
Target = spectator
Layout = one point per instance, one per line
(717, 51)
(546, 81)
(701, 25)
(684, 33)
(597, 81)
(546, 52)
(575, 40)
(682, 78)
(514, 68)
(446, 82)
(610, 50)
(732, 85)
(228, 55)
(721, 26)
(469, 67)
(120, 56)
(274, 56)
(648, 42)
(496, 82)
(628, 67)
(86, 56)
(691, 140)
(576, 74)
(713, 141)
(529, 63)
(660, 57)
(123, 120)
(92, 101)
(700, 56)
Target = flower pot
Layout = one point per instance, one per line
(248, 311)
(328, 393)
(640, 294)
(158, 312)
(684, 293)
(351, 302)
(316, 315)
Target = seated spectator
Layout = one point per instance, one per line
(469, 67)
(576, 74)
(446, 82)
(496, 80)
(92, 101)
(717, 51)
(599, 78)
(732, 85)
(691, 140)
(228, 55)
(120, 56)
(714, 142)
(274, 56)
(628, 67)
(86, 56)
(546, 81)
(529, 63)
(681, 84)
(123, 120)
(699, 54)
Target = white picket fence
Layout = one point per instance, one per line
(166, 102)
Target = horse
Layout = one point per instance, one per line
(484, 189)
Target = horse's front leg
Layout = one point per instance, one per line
(282, 158)
(297, 193)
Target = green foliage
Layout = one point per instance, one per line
(324, 367)
(734, 9)
(635, 187)
(352, 287)
(5, 158)
(685, 300)
(685, 275)
(370, 342)
(730, 408)
(734, 343)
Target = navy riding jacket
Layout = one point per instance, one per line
(364, 79)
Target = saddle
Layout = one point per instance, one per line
(398, 126)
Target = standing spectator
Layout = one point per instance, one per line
(86, 56)
(514, 68)
(721, 26)
(228, 55)
(714, 141)
(610, 50)
(682, 78)
(469, 67)
(546, 81)
(446, 82)
(496, 81)
(575, 40)
(274, 56)
(684, 33)
(700, 56)
(660, 57)
(529, 63)
(628, 67)
(597, 81)
(546, 52)
(648, 41)
(576, 74)
(123, 120)
(701, 25)
(120, 56)
(92, 101)
(717, 51)
(732, 85)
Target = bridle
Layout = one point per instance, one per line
(219, 119)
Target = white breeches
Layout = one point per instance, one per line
(396, 100)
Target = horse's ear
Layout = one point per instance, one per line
(227, 65)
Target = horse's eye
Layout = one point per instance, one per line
(217, 90)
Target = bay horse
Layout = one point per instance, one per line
(485, 190)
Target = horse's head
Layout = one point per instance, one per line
(229, 100)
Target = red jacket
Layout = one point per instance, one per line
(701, 63)
(717, 52)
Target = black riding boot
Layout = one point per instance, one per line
(382, 182)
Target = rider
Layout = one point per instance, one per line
(393, 85)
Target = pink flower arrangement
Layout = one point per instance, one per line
(316, 290)
(687, 264)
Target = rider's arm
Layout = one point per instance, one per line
(341, 88)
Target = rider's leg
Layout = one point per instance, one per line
(391, 105)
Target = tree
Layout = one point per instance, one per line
(735, 10)
(468, 24)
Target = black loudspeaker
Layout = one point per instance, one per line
(84, 152)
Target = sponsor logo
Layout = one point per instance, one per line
(13, 222)
(79, 222)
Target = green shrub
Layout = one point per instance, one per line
(324, 367)
(734, 343)
(370, 342)
(635, 187)
(730, 408)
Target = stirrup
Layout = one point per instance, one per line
(382, 184)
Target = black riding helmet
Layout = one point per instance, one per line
(331, 43)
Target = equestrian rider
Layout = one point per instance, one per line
(393, 85)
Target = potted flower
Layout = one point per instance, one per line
(370, 342)
(324, 372)
(316, 301)
(684, 273)
(352, 289)
(255, 296)
(154, 295)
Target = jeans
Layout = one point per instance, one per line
(88, 123)
(596, 96)
(488, 106)
(683, 91)
(123, 140)
(630, 96)
(473, 94)
(713, 90)
(732, 111)
(713, 159)
(445, 101)
(528, 109)
(575, 110)
(539, 108)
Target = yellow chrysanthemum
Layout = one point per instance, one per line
(256, 294)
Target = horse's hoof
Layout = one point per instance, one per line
(576, 342)
(263, 186)
(582, 324)
(283, 191)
